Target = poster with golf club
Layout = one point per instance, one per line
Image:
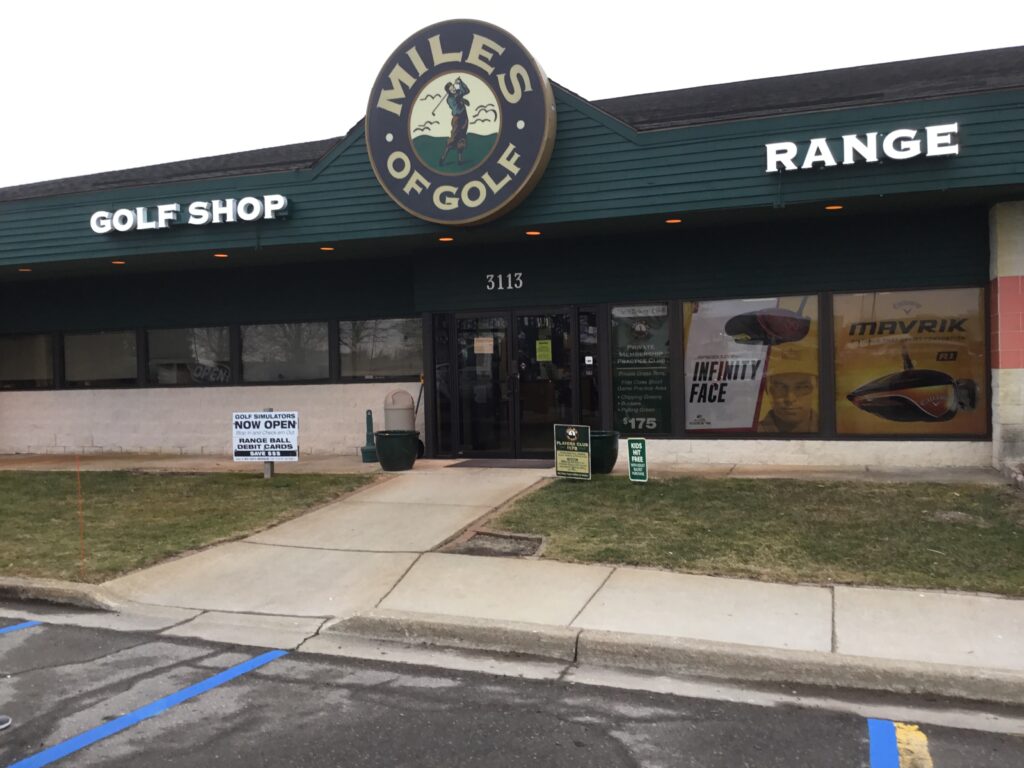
(911, 362)
(752, 365)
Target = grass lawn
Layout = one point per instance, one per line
(921, 535)
(135, 519)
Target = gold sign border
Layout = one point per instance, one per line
(540, 164)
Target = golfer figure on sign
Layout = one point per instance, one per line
(457, 103)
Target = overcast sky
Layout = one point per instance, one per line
(94, 86)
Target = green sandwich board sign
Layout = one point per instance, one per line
(636, 447)
(572, 451)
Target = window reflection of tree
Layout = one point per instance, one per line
(378, 346)
(210, 355)
(127, 343)
(210, 346)
(290, 343)
(286, 350)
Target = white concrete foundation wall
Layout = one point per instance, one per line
(1006, 239)
(332, 421)
(1007, 415)
(881, 453)
(332, 418)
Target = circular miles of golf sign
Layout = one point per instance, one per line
(460, 124)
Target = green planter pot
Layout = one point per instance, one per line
(604, 451)
(396, 449)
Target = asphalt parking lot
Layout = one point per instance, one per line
(84, 696)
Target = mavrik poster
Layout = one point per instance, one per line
(752, 365)
(911, 363)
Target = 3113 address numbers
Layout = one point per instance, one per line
(509, 281)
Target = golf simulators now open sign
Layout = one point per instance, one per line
(265, 436)
(572, 451)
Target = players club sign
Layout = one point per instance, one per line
(460, 124)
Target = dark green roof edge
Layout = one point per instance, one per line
(601, 168)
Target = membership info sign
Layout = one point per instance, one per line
(572, 451)
(265, 436)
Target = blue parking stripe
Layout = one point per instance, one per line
(82, 740)
(16, 627)
(884, 752)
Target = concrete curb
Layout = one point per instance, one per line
(501, 637)
(681, 656)
(58, 592)
(727, 661)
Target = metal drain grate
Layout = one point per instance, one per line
(498, 545)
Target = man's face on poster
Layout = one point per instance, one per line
(793, 397)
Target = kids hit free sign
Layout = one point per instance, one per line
(265, 436)
(460, 124)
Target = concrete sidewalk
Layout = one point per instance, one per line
(349, 464)
(342, 558)
(366, 567)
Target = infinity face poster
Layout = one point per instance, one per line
(752, 365)
(911, 363)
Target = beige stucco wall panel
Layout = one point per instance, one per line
(331, 417)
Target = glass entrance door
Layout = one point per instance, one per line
(503, 379)
(485, 386)
(544, 379)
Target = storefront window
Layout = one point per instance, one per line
(381, 349)
(752, 365)
(26, 362)
(285, 352)
(100, 359)
(640, 369)
(911, 363)
(189, 356)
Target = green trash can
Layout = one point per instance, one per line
(604, 451)
(397, 449)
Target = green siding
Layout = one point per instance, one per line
(209, 297)
(600, 169)
(863, 253)
(854, 253)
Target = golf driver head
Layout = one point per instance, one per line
(916, 395)
(768, 327)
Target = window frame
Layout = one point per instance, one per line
(413, 377)
(139, 378)
(147, 384)
(56, 349)
(241, 382)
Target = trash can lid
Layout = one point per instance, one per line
(398, 398)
